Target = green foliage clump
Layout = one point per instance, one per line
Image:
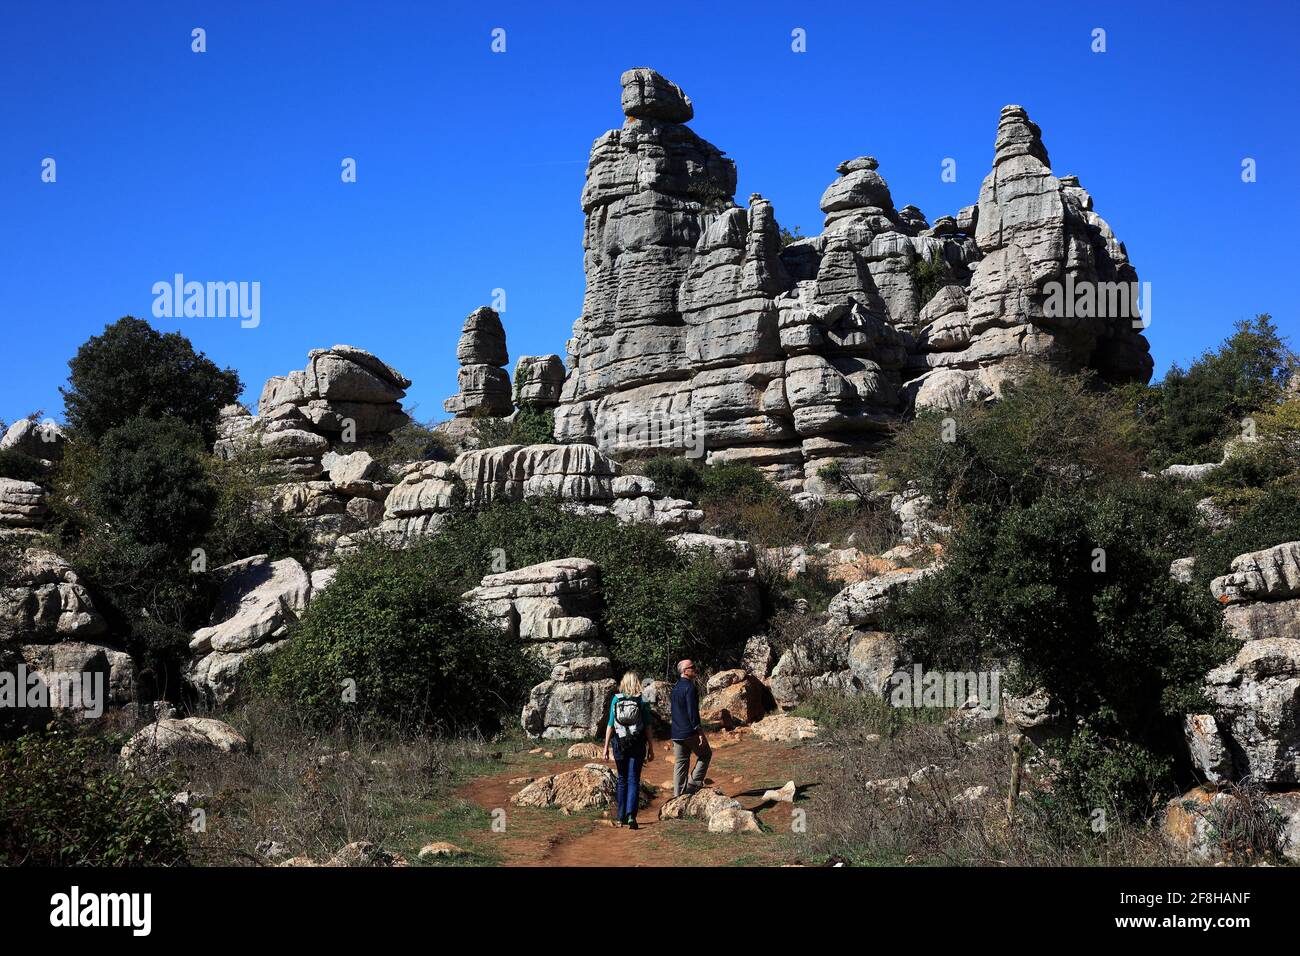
(660, 604)
(929, 276)
(14, 464)
(132, 371)
(790, 236)
(65, 803)
(393, 623)
(528, 426)
(1049, 433)
(1262, 520)
(1073, 591)
(414, 441)
(133, 510)
(1191, 413)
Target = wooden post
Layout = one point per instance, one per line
(1017, 763)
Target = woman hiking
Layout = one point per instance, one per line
(629, 731)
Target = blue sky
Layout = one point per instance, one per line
(225, 165)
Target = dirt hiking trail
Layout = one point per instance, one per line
(743, 767)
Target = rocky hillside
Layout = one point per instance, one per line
(820, 465)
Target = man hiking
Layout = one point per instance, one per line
(687, 734)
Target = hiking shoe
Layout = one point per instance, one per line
(631, 823)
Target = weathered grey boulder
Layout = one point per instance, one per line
(258, 602)
(22, 504)
(55, 664)
(483, 386)
(864, 602)
(1256, 700)
(343, 393)
(539, 381)
(170, 738)
(648, 95)
(553, 608)
(44, 601)
(39, 440)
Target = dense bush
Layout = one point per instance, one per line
(131, 370)
(929, 276)
(1073, 592)
(412, 442)
(1048, 433)
(528, 426)
(142, 516)
(660, 605)
(393, 623)
(14, 464)
(1191, 412)
(1261, 520)
(63, 802)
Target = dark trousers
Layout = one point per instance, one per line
(629, 758)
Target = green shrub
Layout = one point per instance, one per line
(132, 513)
(412, 442)
(929, 276)
(660, 605)
(419, 658)
(528, 426)
(63, 802)
(133, 371)
(1073, 593)
(1190, 414)
(1265, 519)
(1121, 779)
(675, 476)
(1048, 433)
(14, 464)
(150, 484)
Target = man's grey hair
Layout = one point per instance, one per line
(681, 667)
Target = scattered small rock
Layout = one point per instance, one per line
(784, 795)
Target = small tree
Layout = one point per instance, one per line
(131, 370)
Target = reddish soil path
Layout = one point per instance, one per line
(743, 767)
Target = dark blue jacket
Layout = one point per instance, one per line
(686, 709)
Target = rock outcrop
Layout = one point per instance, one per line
(40, 441)
(701, 333)
(309, 434)
(259, 600)
(582, 478)
(539, 381)
(172, 739)
(482, 382)
(344, 393)
(23, 508)
(1253, 731)
(554, 608)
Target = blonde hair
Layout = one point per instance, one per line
(630, 685)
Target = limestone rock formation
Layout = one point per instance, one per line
(40, 441)
(259, 600)
(343, 391)
(171, 738)
(539, 381)
(1254, 728)
(23, 508)
(484, 386)
(308, 433)
(589, 787)
(554, 608)
(735, 698)
(44, 601)
(582, 478)
(701, 334)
